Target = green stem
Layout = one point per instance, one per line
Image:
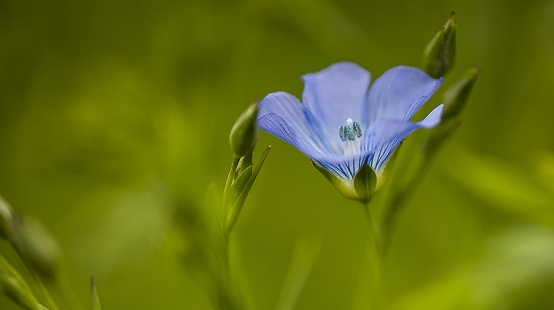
(223, 287)
(375, 255)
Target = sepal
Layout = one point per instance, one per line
(344, 186)
(241, 187)
(365, 182)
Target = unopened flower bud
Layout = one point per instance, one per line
(244, 134)
(439, 54)
(6, 220)
(456, 96)
(36, 246)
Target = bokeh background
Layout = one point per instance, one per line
(114, 119)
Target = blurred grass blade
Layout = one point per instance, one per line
(14, 286)
(94, 295)
(515, 268)
(503, 185)
(302, 262)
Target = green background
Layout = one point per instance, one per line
(114, 118)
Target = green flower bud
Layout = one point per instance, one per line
(37, 247)
(244, 134)
(456, 96)
(6, 220)
(439, 54)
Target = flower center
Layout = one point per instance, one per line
(350, 134)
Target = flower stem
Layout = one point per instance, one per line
(375, 256)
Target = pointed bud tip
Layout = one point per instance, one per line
(440, 52)
(244, 133)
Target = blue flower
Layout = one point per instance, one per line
(342, 124)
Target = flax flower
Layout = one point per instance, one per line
(345, 126)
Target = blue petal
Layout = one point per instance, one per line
(335, 94)
(343, 166)
(282, 115)
(384, 135)
(399, 93)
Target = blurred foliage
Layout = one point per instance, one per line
(114, 119)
